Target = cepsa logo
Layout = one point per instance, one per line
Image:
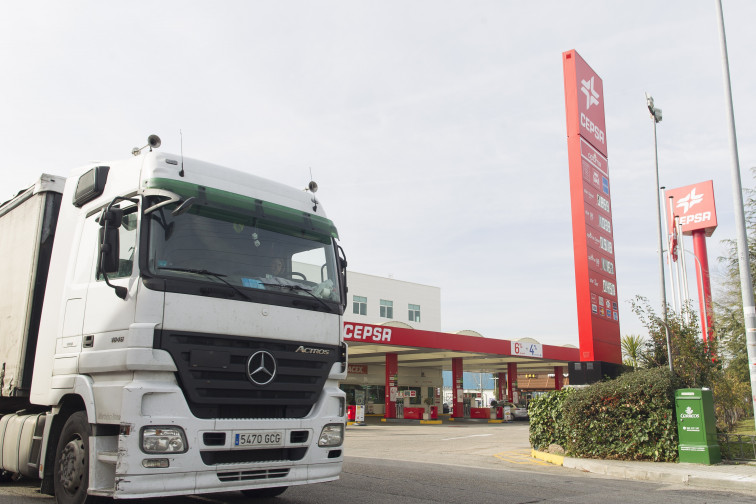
(686, 203)
(588, 88)
(357, 332)
(694, 207)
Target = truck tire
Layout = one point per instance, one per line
(264, 493)
(71, 472)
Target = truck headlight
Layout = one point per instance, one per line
(163, 439)
(331, 435)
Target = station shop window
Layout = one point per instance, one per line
(359, 305)
(413, 400)
(372, 394)
(387, 309)
(414, 313)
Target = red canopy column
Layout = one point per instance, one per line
(502, 392)
(558, 378)
(392, 371)
(511, 379)
(457, 388)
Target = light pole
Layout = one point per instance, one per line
(656, 117)
(744, 263)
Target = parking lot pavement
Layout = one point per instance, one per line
(506, 446)
(453, 443)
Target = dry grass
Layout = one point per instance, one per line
(745, 426)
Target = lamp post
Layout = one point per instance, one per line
(744, 263)
(656, 117)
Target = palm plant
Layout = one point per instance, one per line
(632, 345)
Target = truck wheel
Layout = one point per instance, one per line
(264, 493)
(71, 476)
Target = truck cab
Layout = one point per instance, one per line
(190, 336)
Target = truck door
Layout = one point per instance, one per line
(107, 317)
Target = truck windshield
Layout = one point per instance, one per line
(252, 251)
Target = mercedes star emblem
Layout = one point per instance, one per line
(261, 368)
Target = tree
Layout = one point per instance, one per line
(632, 346)
(691, 360)
(733, 394)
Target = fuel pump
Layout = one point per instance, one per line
(466, 405)
(400, 405)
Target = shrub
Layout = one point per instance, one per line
(631, 418)
(547, 426)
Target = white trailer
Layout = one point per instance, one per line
(169, 327)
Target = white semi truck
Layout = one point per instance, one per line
(169, 327)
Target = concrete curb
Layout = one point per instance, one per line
(410, 421)
(548, 457)
(695, 475)
(477, 420)
(719, 477)
(622, 471)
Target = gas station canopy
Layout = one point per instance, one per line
(369, 344)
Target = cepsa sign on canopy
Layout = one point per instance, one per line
(358, 332)
(694, 205)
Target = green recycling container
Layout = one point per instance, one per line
(696, 427)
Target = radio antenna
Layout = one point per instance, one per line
(181, 135)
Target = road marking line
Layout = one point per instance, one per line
(466, 437)
(519, 458)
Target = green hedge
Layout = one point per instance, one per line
(547, 425)
(631, 418)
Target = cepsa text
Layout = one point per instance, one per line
(358, 332)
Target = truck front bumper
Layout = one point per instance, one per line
(212, 462)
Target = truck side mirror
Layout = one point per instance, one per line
(110, 246)
(113, 217)
(342, 265)
(109, 250)
(110, 221)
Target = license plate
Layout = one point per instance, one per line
(252, 439)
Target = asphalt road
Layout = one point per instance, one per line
(466, 464)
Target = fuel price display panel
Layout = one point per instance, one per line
(598, 221)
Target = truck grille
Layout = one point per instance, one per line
(249, 456)
(212, 373)
(253, 475)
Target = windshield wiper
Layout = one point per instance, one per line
(211, 274)
(299, 288)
